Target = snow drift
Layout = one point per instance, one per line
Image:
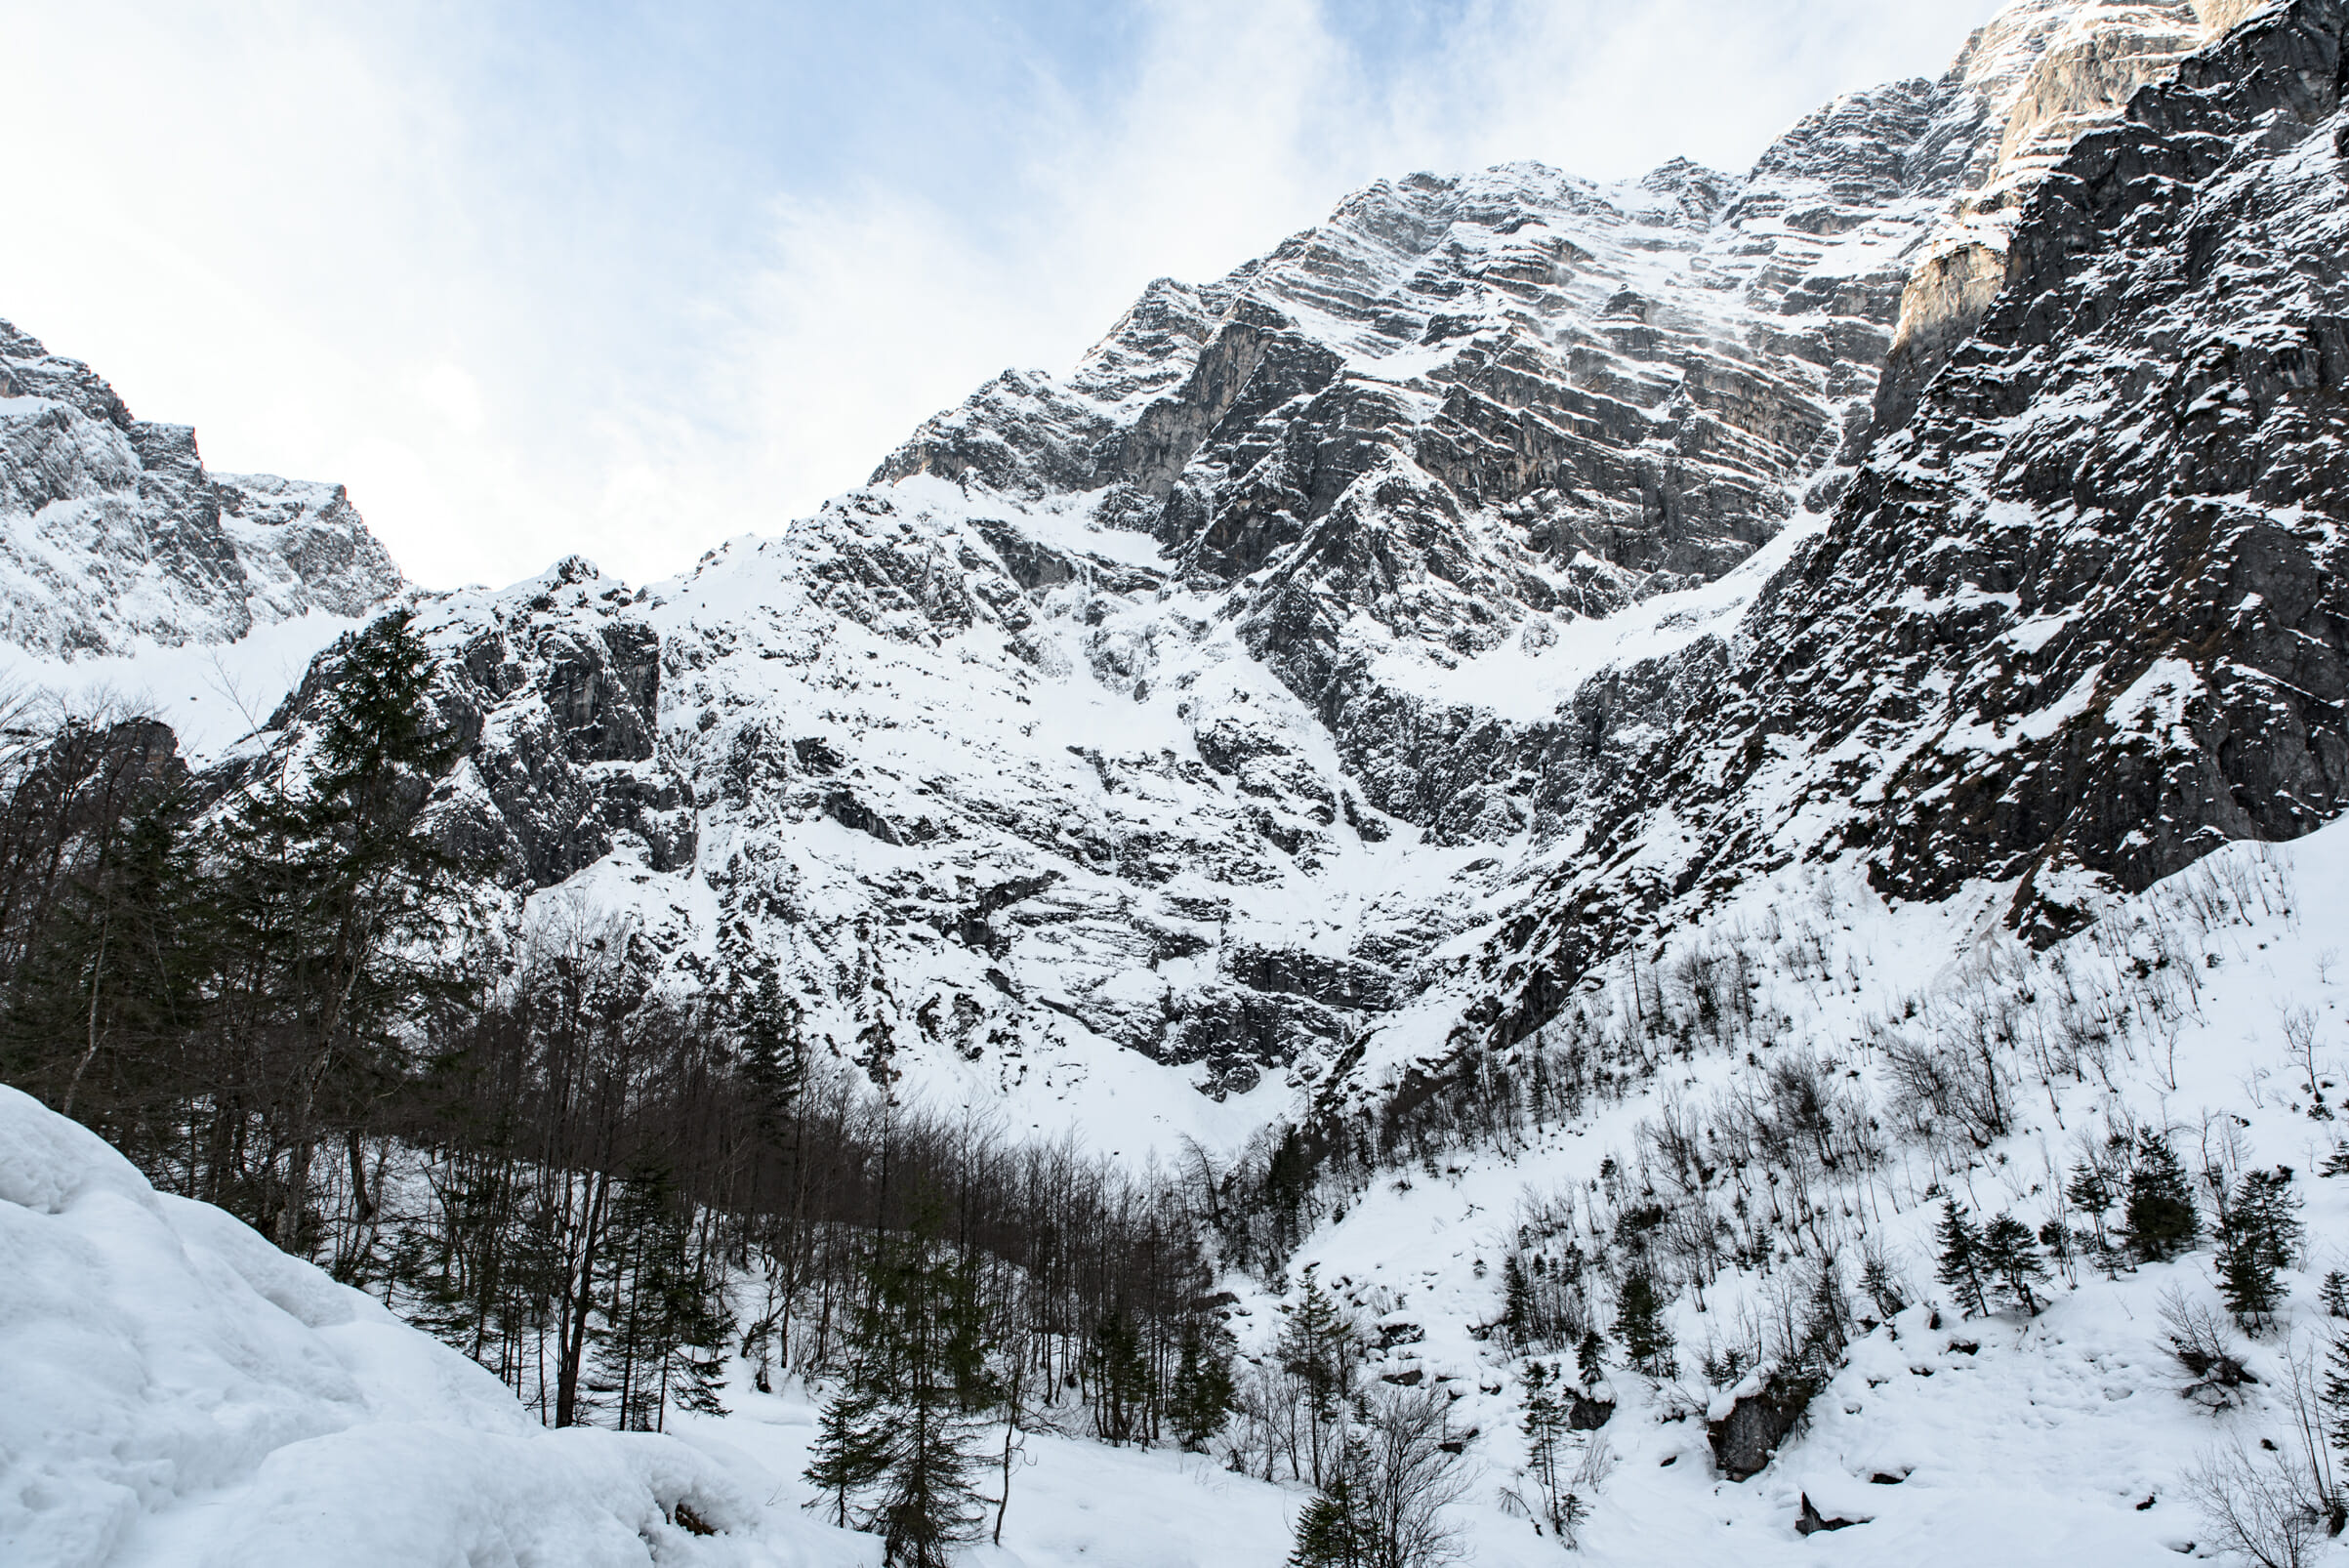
(182, 1392)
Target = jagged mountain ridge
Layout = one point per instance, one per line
(113, 534)
(1270, 695)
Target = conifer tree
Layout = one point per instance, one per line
(1516, 1300)
(850, 1452)
(339, 899)
(2006, 1253)
(2333, 1393)
(1335, 1529)
(895, 1449)
(1319, 1347)
(1591, 1358)
(1878, 1284)
(2158, 1219)
(1121, 1375)
(664, 1324)
(1200, 1400)
(1546, 1425)
(766, 1021)
(2258, 1232)
(1959, 1262)
(118, 967)
(1647, 1340)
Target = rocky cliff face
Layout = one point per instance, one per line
(2080, 618)
(1352, 649)
(112, 533)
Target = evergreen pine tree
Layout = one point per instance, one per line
(1335, 1529)
(766, 1021)
(2334, 1293)
(1120, 1376)
(1516, 1300)
(339, 899)
(1591, 1358)
(2333, 1394)
(1545, 1422)
(850, 1452)
(1647, 1340)
(896, 1450)
(1883, 1290)
(1200, 1401)
(2258, 1232)
(664, 1323)
(1959, 1264)
(2158, 1219)
(1319, 1347)
(2008, 1255)
(117, 968)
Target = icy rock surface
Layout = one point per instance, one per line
(113, 534)
(180, 1393)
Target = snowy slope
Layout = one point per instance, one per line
(2013, 1439)
(180, 1392)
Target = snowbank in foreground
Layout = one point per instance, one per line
(178, 1392)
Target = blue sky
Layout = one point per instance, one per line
(629, 279)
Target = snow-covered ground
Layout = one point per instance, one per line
(2015, 1440)
(177, 1392)
(182, 1393)
(212, 694)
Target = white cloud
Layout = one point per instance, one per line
(294, 228)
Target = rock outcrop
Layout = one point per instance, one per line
(112, 533)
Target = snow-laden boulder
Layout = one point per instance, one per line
(180, 1393)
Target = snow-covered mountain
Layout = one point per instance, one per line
(1351, 652)
(1737, 633)
(113, 535)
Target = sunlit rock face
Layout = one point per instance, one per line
(1317, 677)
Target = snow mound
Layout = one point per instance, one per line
(180, 1393)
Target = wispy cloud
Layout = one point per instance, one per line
(531, 286)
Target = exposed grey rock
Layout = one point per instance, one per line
(1744, 1440)
(111, 530)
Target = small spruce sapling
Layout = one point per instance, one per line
(1591, 1359)
(2258, 1232)
(2332, 1394)
(1647, 1340)
(1200, 1400)
(1335, 1529)
(1959, 1264)
(1882, 1288)
(2158, 1220)
(2009, 1257)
